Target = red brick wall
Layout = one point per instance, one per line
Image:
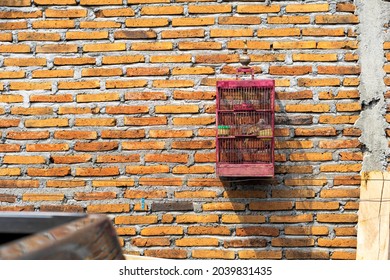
(108, 106)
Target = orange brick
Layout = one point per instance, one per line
(336, 19)
(200, 46)
(24, 61)
(31, 111)
(341, 168)
(161, 10)
(53, 24)
(15, 3)
(15, 48)
(28, 135)
(294, 45)
(306, 182)
(176, 109)
(113, 183)
(101, 72)
(86, 35)
(306, 230)
(209, 9)
(254, 254)
(121, 12)
(257, 231)
(196, 242)
(345, 7)
(100, 2)
(149, 145)
(104, 47)
(94, 195)
(70, 135)
(19, 184)
(323, 32)
(351, 156)
(95, 146)
(12, 74)
(193, 145)
(47, 147)
(95, 122)
(326, 131)
(166, 253)
(162, 230)
(315, 82)
(54, 122)
(278, 32)
(20, 14)
(317, 205)
(108, 208)
(348, 107)
(74, 60)
(338, 119)
(131, 34)
(99, 97)
(147, 22)
(352, 45)
(48, 172)
(43, 197)
(292, 242)
(136, 220)
(288, 20)
(100, 24)
(195, 194)
(307, 8)
(223, 206)
(208, 230)
(293, 144)
(123, 134)
(339, 144)
(242, 219)
(70, 159)
(153, 46)
(55, 2)
(98, 171)
(10, 172)
(146, 121)
(258, 9)
(191, 218)
(193, 71)
(213, 254)
(147, 169)
(338, 70)
(235, 20)
(311, 156)
(314, 57)
(337, 218)
(13, 25)
(253, 45)
(290, 70)
(220, 33)
(271, 206)
(170, 133)
(123, 59)
(53, 73)
(204, 169)
(68, 13)
(9, 123)
(125, 84)
(303, 218)
(38, 36)
(147, 71)
(118, 158)
(199, 21)
(170, 58)
(173, 181)
(341, 193)
(57, 48)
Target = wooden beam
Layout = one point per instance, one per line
(374, 217)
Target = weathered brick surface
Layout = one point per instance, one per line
(108, 106)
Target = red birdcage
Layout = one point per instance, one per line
(245, 122)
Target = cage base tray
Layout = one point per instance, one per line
(245, 170)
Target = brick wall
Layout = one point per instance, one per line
(108, 106)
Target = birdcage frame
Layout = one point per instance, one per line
(245, 138)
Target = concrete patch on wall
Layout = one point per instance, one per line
(373, 16)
